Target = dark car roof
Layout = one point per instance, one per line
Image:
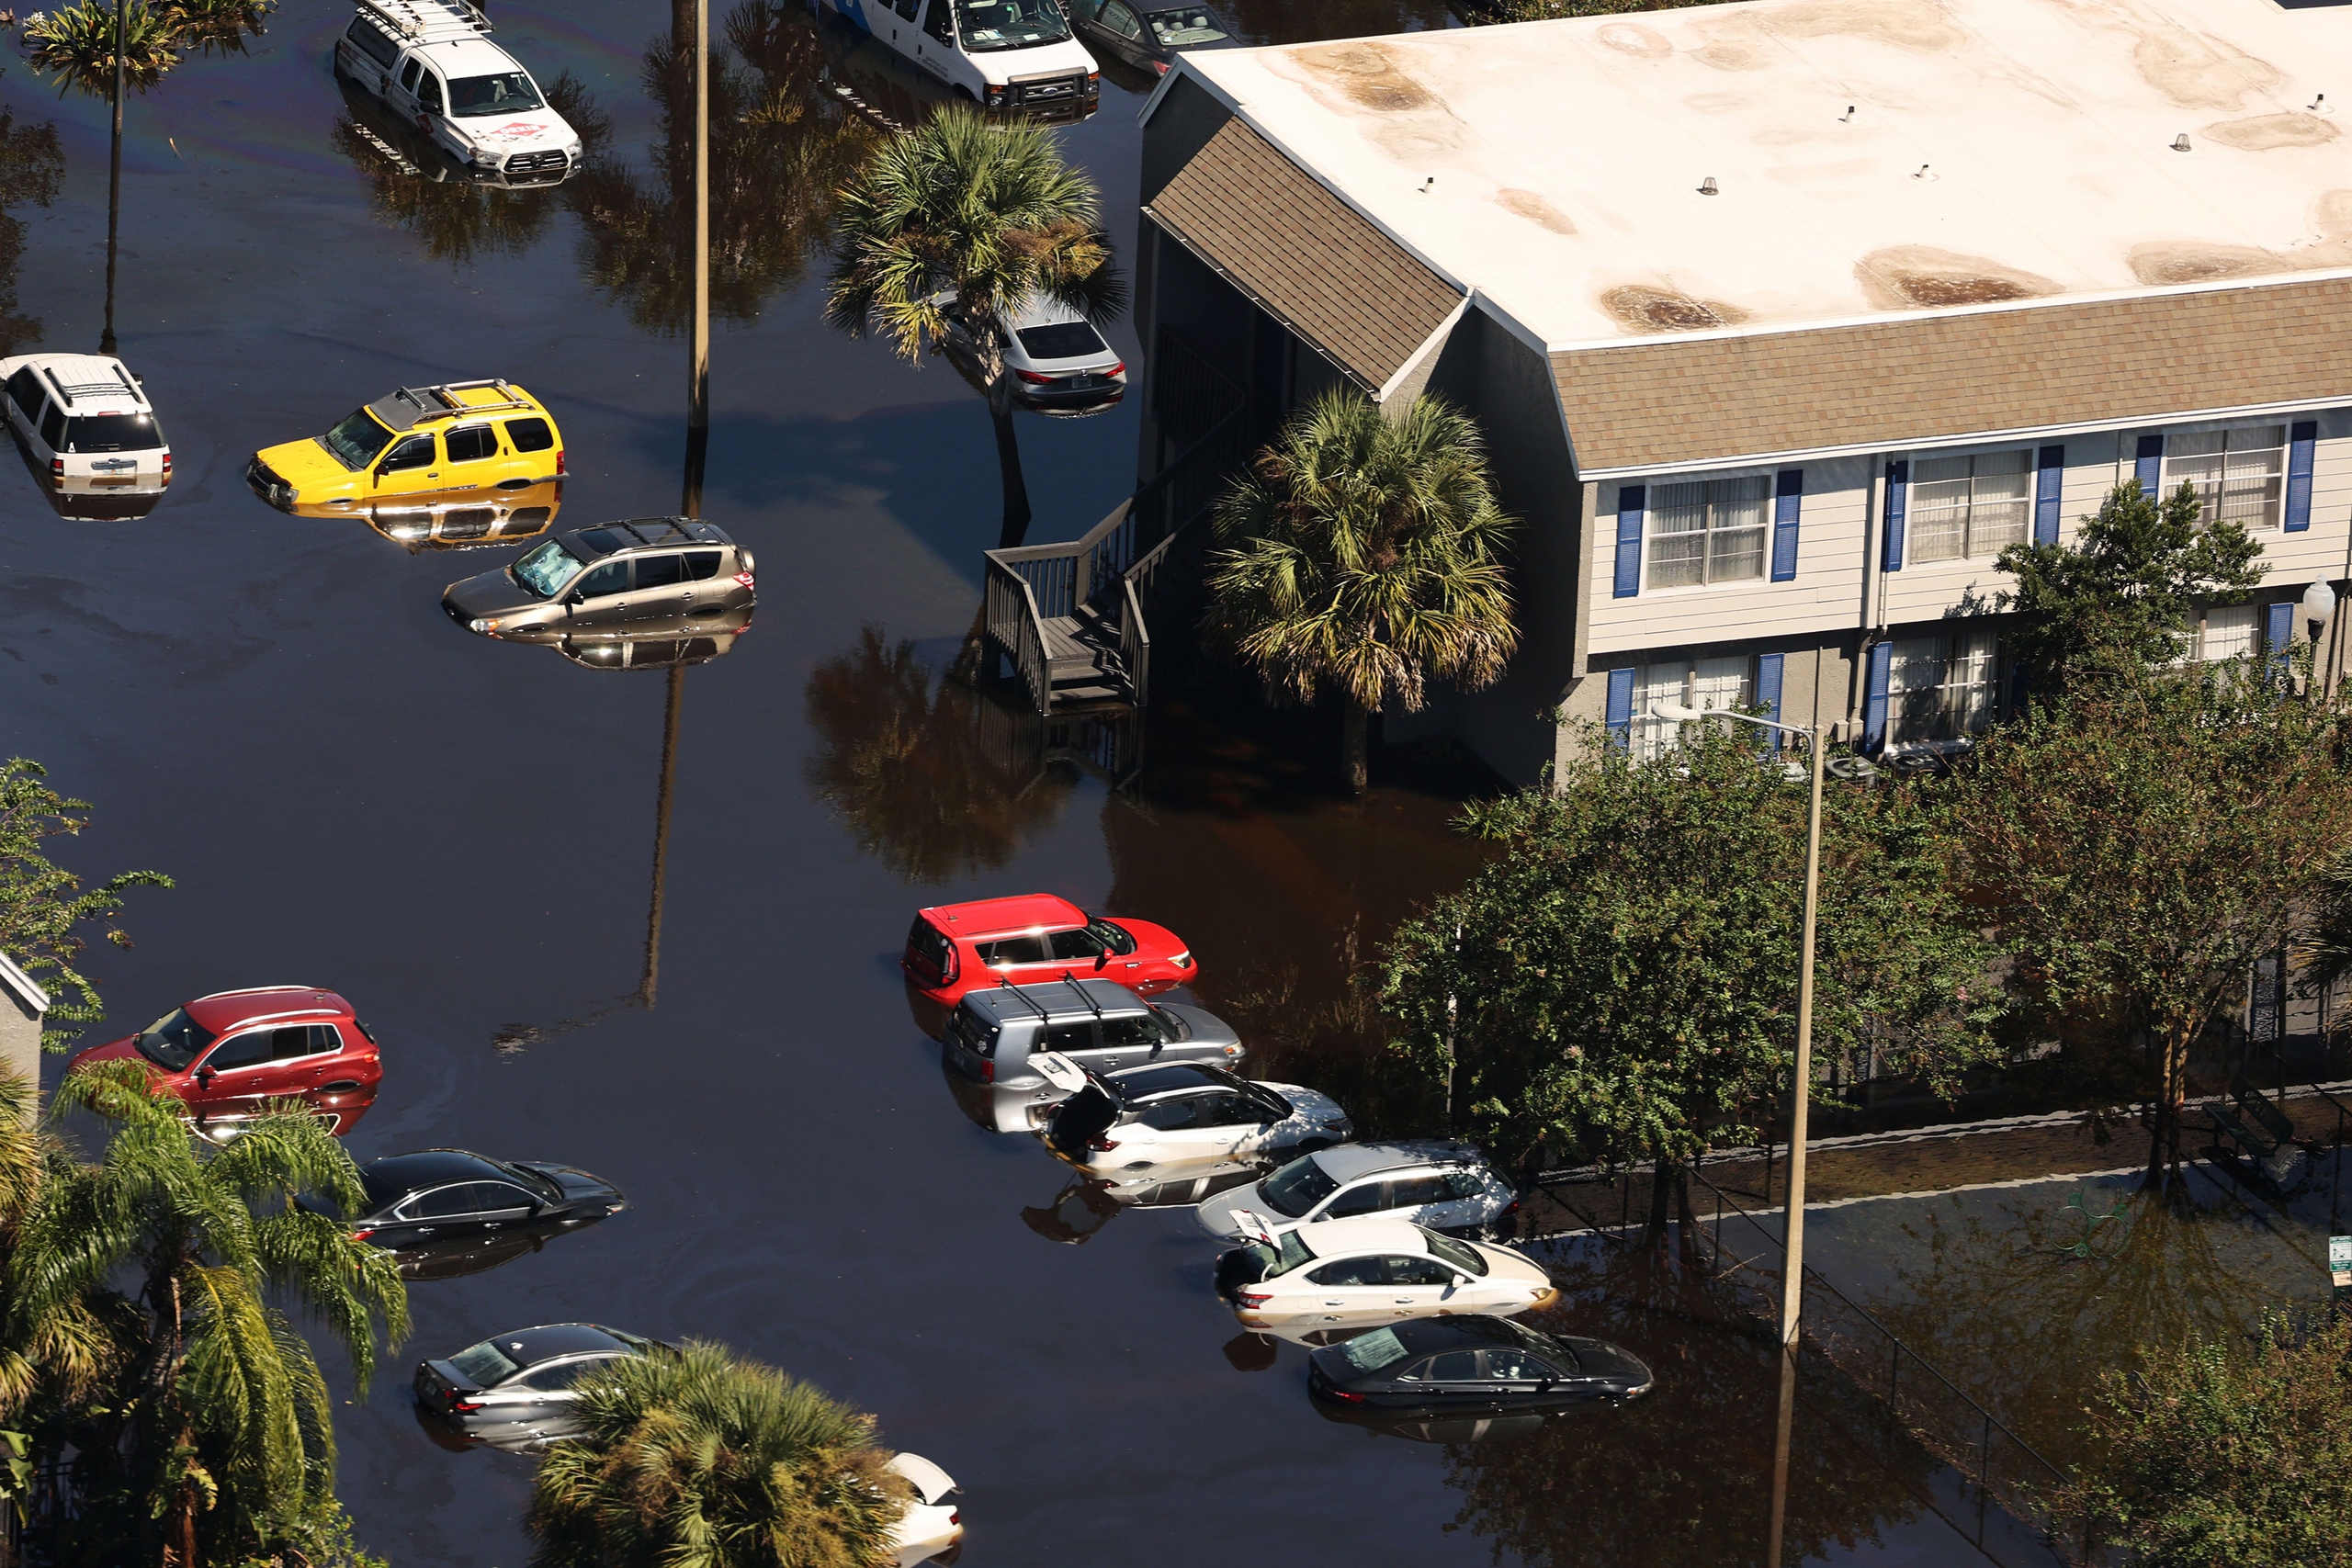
(1421, 1333)
(640, 533)
(398, 1174)
(550, 1341)
(1137, 1084)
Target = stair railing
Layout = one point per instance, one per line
(1014, 626)
(1135, 643)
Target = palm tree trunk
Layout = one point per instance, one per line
(1008, 462)
(1353, 746)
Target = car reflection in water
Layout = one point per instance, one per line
(865, 76)
(460, 520)
(1089, 1202)
(89, 499)
(714, 639)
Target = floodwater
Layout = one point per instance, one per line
(459, 835)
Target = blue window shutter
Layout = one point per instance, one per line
(2149, 466)
(1629, 539)
(1621, 707)
(1899, 479)
(2020, 683)
(1768, 691)
(1788, 496)
(2300, 443)
(1874, 700)
(2048, 480)
(2277, 636)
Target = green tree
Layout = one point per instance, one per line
(75, 44)
(950, 223)
(2123, 595)
(2137, 845)
(704, 1460)
(1623, 979)
(2216, 1451)
(214, 1432)
(1364, 553)
(42, 907)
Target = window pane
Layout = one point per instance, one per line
(1720, 682)
(1736, 555)
(1971, 701)
(2230, 632)
(659, 571)
(1454, 1366)
(1652, 684)
(1419, 1271)
(1938, 523)
(1999, 502)
(1914, 690)
(1680, 509)
(1678, 560)
(1352, 1271)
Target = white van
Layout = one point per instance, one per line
(87, 422)
(998, 53)
(432, 63)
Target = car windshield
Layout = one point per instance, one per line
(1115, 937)
(988, 26)
(356, 440)
(485, 1366)
(532, 1181)
(1176, 1027)
(1551, 1348)
(1370, 1352)
(173, 1040)
(1183, 27)
(1445, 1249)
(546, 570)
(510, 91)
(1297, 1188)
(383, 1191)
(1257, 1261)
(1060, 340)
(112, 432)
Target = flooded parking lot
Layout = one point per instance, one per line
(461, 836)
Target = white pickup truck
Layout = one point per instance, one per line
(1010, 55)
(432, 63)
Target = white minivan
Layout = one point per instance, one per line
(998, 53)
(432, 63)
(87, 424)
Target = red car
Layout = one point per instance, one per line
(226, 1052)
(1036, 937)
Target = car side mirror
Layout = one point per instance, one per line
(203, 1076)
(1103, 958)
(574, 598)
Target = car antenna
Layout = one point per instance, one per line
(1006, 981)
(1091, 1005)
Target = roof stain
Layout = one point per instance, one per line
(1914, 277)
(1368, 75)
(2261, 133)
(1906, 24)
(2332, 213)
(2197, 72)
(2198, 261)
(1646, 308)
(1726, 55)
(1527, 204)
(1631, 38)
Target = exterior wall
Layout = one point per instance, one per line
(19, 1036)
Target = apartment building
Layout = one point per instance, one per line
(1782, 317)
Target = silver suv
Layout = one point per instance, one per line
(663, 577)
(1096, 1023)
(1436, 1182)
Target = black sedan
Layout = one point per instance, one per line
(1468, 1366)
(1145, 34)
(443, 1212)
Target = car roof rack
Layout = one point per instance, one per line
(1091, 1005)
(429, 21)
(439, 401)
(67, 390)
(1005, 982)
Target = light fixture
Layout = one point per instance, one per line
(2319, 603)
(1708, 187)
(2180, 143)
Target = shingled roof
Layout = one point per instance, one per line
(1904, 381)
(1324, 270)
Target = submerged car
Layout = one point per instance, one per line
(1147, 35)
(226, 1054)
(85, 423)
(997, 1042)
(644, 577)
(1089, 1202)
(1032, 937)
(432, 63)
(1362, 1273)
(1470, 1366)
(1008, 54)
(1140, 1117)
(1055, 360)
(417, 447)
(712, 639)
(932, 1526)
(517, 1388)
(444, 1212)
(1438, 1182)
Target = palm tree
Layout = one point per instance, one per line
(704, 1461)
(949, 222)
(32, 166)
(215, 1420)
(1366, 554)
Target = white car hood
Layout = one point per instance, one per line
(515, 134)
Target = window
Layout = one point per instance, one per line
(1939, 688)
(173, 1040)
(1468, 1259)
(112, 432)
(1175, 1115)
(245, 1051)
(1071, 339)
(509, 92)
(2239, 475)
(2232, 631)
(471, 443)
(373, 42)
(940, 23)
(562, 1375)
(407, 73)
(1120, 21)
(1699, 683)
(530, 435)
(415, 452)
(907, 8)
(1454, 1366)
(441, 1204)
(428, 92)
(1370, 1352)
(1076, 944)
(606, 580)
(1012, 949)
(1141, 1029)
(1070, 1037)
(1516, 1366)
(1184, 28)
(499, 1197)
(1297, 1188)
(356, 440)
(547, 570)
(304, 1039)
(1970, 505)
(23, 388)
(659, 571)
(1372, 1198)
(701, 565)
(1413, 1192)
(1417, 1271)
(990, 25)
(1709, 531)
(1350, 1270)
(52, 429)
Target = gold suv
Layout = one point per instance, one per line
(421, 445)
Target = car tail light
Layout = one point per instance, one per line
(1342, 1395)
(1510, 1210)
(987, 1072)
(1103, 1145)
(1034, 379)
(1160, 66)
(559, 463)
(57, 466)
(1252, 1299)
(742, 580)
(1118, 369)
(363, 1233)
(955, 966)
(464, 1406)
(167, 462)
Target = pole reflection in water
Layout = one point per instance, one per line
(1781, 1454)
(114, 174)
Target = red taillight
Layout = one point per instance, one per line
(1118, 369)
(955, 966)
(1342, 1395)
(57, 466)
(1251, 1298)
(987, 1072)
(1034, 379)
(1510, 1212)
(1160, 66)
(1103, 1145)
(559, 462)
(167, 462)
(742, 580)
(464, 1406)
(363, 1234)
(955, 1515)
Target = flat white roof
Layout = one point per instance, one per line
(1558, 166)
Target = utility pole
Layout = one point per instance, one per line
(698, 368)
(114, 171)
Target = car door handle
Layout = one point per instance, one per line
(1334, 1303)
(424, 1230)
(1404, 1301)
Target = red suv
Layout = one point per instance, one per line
(226, 1052)
(1036, 937)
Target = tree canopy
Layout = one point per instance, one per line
(43, 907)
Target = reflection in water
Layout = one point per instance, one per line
(86, 498)
(931, 776)
(671, 653)
(1087, 1203)
(462, 520)
(31, 166)
(460, 214)
(780, 146)
(1682, 1477)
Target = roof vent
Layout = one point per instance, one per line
(1925, 173)
(1427, 183)
(2318, 105)
(2180, 143)
(1848, 117)
(1708, 187)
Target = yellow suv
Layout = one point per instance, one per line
(465, 439)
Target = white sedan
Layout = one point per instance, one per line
(931, 1525)
(1180, 1111)
(1362, 1273)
